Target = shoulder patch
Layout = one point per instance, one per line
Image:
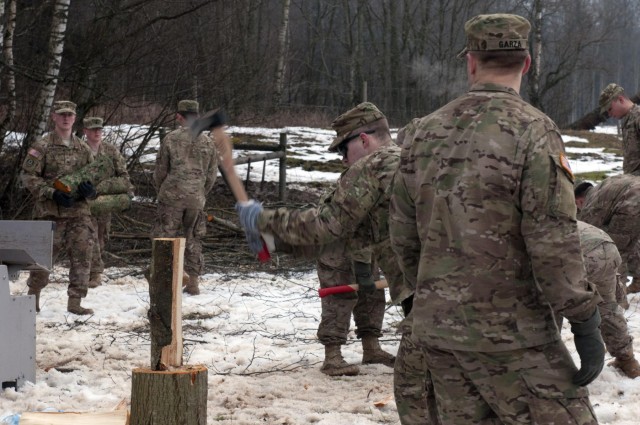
(34, 153)
(564, 162)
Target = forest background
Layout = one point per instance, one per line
(286, 62)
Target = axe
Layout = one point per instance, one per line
(323, 292)
(215, 121)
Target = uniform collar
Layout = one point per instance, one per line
(493, 87)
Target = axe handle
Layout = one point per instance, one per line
(229, 171)
(323, 292)
(227, 166)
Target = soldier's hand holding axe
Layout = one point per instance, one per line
(248, 209)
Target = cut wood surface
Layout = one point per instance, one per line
(165, 302)
(169, 397)
(116, 417)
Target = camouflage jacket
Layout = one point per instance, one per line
(601, 259)
(356, 210)
(616, 196)
(185, 169)
(483, 224)
(120, 182)
(631, 141)
(48, 159)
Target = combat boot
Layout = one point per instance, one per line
(95, 280)
(335, 365)
(192, 286)
(372, 353)
(630, 367)
(634, 288)
(36, 292)
(73, 306)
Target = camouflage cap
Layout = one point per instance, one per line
(188, 106)
(64, 106)
(608, 95)
(92, 122)
(499, 31)
(354, 119)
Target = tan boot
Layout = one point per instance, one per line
(335, 365)
(192, 286)
(630, 367)
(373, 354)
(95, 280)
(73, 306)
(36, 292)
(634, 288)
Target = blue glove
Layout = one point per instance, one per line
(248, 213)
(87, 190)
(63, 199)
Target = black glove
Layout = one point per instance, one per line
(590, 347)
(87, 191)
(364, 278)
(63, 199)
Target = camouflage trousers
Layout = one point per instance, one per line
(626, 236)
(102, 224)
(334, 269)
(188, 223)
(75, 236)
(412, 386)
(526, 386)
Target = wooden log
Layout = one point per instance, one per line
(169, 397)
(117, 417)
(165, 302)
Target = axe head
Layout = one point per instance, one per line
(211, 119)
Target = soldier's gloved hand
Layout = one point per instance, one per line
(364, 278)
(62, 199)
(87, 191)
(248, 213)
(590, 347)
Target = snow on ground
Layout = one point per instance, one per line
(256, 335)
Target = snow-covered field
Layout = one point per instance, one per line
(255, 334)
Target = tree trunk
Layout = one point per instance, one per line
(282, 42)
(56, 47)
(170, 397)
(536, 66)
(9, 76)
(165, 300)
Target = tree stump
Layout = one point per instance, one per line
(169, 397)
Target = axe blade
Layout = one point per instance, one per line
(212, 119)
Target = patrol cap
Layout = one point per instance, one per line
(92, 122)
(608, 95)
(581, 187)
(188, 107)
(354, 119)
(64, 106)
(496, 32)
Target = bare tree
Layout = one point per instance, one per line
(8, 74)
(282, 42)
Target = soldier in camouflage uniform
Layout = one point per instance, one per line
(186, 169)
(483, 224)
(52, 156)
(412, 385)
(601, 260)
(614, 103)
(613, 207)
(350, 220)
(102, 222)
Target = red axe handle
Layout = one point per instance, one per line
(323, 292)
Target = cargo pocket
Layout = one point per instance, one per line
(201, 225)
(552, 400)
